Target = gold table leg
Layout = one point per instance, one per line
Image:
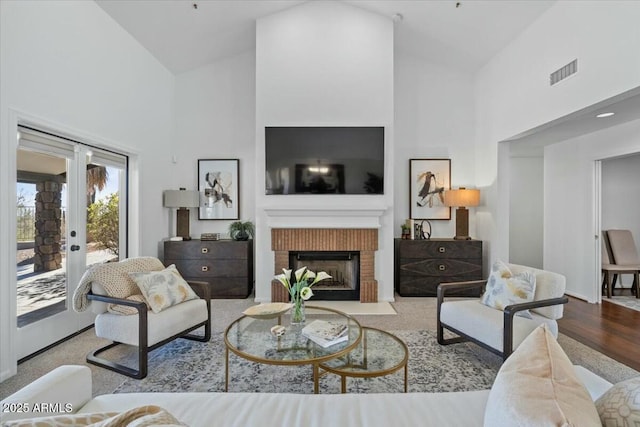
(405, 377)
(226, 369)
(316, 378)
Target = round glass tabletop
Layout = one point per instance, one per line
(378, 353)
(252, 339)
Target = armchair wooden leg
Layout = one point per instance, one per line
(440, 333)
(140, 373)
(507, 338)
(202, 338)
(207, 327)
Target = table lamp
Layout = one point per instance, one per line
(183, 200)
(462, 198)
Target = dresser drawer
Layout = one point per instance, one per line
(431, 267)
(199, 268)
(423, 286)
(232, 287)
(440, 249)
(206, 249)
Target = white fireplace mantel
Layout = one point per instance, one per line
(354, 216)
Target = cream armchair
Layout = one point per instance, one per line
(123, 315)
(500, 331)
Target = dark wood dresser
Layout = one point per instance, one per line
(421, 265)
(226, 264)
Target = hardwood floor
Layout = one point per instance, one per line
(609, 328)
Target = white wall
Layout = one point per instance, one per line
(70, 65)
(513, 94)
(324, 64)
(569, 214)
(215, 119)
(526, 202)
(434, 118)
(621, 197)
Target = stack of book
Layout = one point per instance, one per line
(326, 333)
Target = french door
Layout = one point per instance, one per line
(71, 214)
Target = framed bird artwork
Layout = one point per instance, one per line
(428, 180)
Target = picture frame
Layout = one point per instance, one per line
(219, 187)
(428, 180)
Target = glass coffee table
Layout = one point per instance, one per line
(378, 353)
(252, 339)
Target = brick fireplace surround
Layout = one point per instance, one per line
(364, 240)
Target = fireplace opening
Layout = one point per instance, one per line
(343, 267)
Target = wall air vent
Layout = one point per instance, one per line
(563, 72)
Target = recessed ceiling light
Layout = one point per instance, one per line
(601, 115)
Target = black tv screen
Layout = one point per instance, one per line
(324, 160)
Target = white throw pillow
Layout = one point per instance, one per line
(537, 386)
(505, 288)
(163, 289)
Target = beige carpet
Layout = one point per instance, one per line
(413, 314)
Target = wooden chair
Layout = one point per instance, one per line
(625, 258)
(610, 270)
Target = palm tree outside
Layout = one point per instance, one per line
(97, 177)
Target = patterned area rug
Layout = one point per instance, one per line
(191, 366)
(626, 301)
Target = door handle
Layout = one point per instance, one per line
(74, 248)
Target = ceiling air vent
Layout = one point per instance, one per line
(564, 72)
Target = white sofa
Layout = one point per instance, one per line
(68, 388)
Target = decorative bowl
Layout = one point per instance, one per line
(267, 311)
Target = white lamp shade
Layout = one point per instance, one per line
(462, 198)
(181, 199)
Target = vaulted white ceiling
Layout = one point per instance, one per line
(464, 34)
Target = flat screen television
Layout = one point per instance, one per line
(324, 160)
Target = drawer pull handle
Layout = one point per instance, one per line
(442, 249)
(204, 250)
(205, 268)
(442, 267)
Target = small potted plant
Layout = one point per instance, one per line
(406, 231)
(241, 230)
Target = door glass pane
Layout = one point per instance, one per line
(61, 185)
(41, 254)
(103, 214)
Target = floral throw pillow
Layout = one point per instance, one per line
(620, 406)
(163, 289)
(505, 288)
